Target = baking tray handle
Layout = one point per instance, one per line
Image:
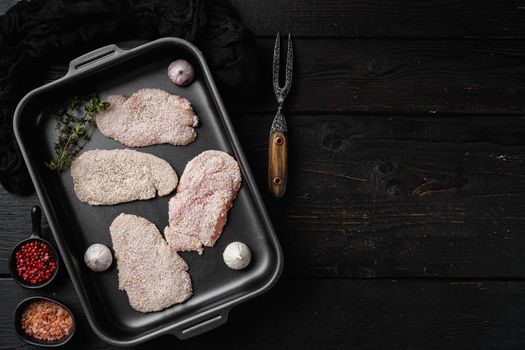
(203, 325)
(93, 58)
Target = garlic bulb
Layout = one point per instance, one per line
(237, 255)
(181, 72)
(98, 257)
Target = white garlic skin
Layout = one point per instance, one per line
(237, 255)
(98, 257)
(181, 72)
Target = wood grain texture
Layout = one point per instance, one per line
(15, 223)
(395, 76)
(377, 196)
(388, 76)
(375, 18)
(374, 196)
(373, 193)
(446, 19)
(336, 314)
(277, 163)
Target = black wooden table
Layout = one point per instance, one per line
(403, 225)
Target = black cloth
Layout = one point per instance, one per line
(33, 33)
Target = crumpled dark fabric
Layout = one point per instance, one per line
(34, 33)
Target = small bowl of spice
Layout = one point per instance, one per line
(44, 322)
(34, 261)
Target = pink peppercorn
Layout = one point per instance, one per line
(35, 262)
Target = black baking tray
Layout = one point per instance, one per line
(75, 225)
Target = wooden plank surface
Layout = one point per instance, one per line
(384, 183)
(15, 223)
(397, 196)
(392, 77)
(396, 76)
(445, 19)
(378, 196)
(375, 18)
(336, 314)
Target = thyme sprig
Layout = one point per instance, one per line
(74, 124)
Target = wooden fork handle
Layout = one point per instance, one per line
(277, 163)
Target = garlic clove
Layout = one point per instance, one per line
(181, 72)
(98, 257)
(237, 255)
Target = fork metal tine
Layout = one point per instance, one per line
(289, 69)
(281, 93)
(276, 59)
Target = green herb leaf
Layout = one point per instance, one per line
(74, 129)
